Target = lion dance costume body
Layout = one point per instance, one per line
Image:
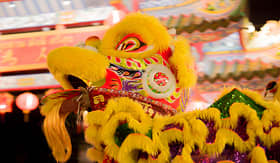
(134, 83)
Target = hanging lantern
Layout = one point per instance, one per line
(6, 104)
(27, 102)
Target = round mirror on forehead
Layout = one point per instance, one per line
(158, 81)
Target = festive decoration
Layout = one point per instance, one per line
(133, 86)
(224, 103)
(27, 102)
(6, 104)
(6, 101)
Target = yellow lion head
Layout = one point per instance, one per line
(136, 55)
(128, 48)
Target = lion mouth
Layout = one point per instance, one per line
(76, 82)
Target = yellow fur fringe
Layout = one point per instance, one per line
(95, 155)
(181, 159)
(258, 155)
(183, 63)
(277, 95)
(194, 131)
(92, 136)
(128, 150)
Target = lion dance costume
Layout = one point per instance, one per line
(134, 83)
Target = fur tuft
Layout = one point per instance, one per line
(258, 155)
(183, 63)
(55, 130)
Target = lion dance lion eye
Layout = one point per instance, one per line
(131, 43)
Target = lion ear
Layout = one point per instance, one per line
(182, 62)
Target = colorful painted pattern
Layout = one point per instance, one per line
(137, 64)
(206, 9)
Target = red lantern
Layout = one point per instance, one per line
(27, 102)
(6, 104)
(6, 101)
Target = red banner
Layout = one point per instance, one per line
(29, 51)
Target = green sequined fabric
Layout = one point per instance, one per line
(123, 131)
(224, 103)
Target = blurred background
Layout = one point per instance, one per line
(234, 42)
